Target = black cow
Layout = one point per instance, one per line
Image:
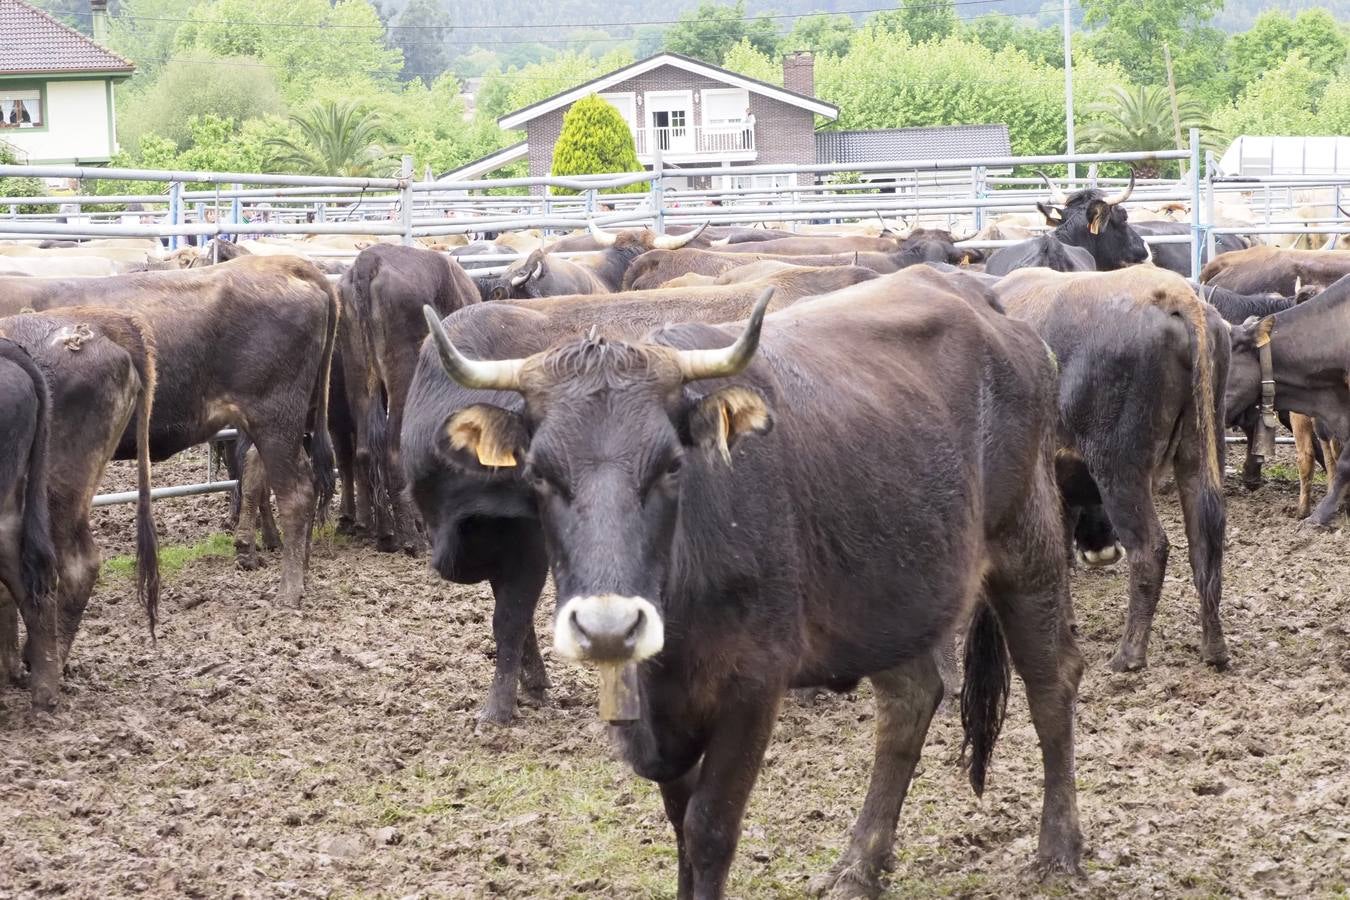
(1310, 365)
(722, 526)
(382, 298)
(1263, 268)
(1142, 369)
(1046, 251)
(1096, 222)
(28, 564)
(1177, 257)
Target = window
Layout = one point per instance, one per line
(21, 107)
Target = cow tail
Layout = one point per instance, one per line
(321, 456)
(147, 539)
(1209, 574)
(984, 694)
(38, 565)
(377, 441)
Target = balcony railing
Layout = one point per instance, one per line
(710, 140)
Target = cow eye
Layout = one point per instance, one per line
(674, 466)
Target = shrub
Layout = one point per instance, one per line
(595, 140)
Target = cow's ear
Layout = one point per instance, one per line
(1053, 216)
(483, 436)
(1099, 214)
(719, 420)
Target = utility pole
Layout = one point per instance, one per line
(1176, 109)
(1068, 92)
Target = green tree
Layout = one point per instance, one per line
(922, 20)
(821, 34)
(1045, 45)
(421, 32)
(709, 31)
(335, 138)
(1274, 35)
(532, 83)
(203, 85)
(595, 140)
(1132, 33)
(1139, 119)
(1282, 101)
(747, 60)
(1333, 112)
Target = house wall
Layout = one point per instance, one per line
(78, 126)
(783, 133)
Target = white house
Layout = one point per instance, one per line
(56, 87)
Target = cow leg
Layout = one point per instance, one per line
(252, 495)
(11, 666)
(906, 698)
(289, 472)
(405, 517)
(1338, 483)
(79, 571)
(1305, 447)
(40, 651)
(1130, 508)
(516, 595)
(271, 536)
(731, 761)
(533, 674)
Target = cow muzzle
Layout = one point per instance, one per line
(608, 628)
(1107, 556)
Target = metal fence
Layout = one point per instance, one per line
(955, 192)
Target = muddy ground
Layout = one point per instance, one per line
(256, 752)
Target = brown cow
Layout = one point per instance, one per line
(248, 344)
(100, 367)
(1261, 269)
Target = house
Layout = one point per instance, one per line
(56, 87)
(1284, 155)
(708, 121)
(697, 116)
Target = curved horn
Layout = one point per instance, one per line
(1298, 285)
(488, 375)
(1123, 195)
(521, 275)
(1056, 194)
(882, 219)
(676, 241)
(728, 361)
(602, 237)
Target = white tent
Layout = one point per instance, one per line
(1258, 155)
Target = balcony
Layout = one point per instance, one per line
(697, 142)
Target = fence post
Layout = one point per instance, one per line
(405, 174)
(978, 189)
(237, 209)
(658, 193)
(175, 211)
(1197, 230)
(1210, 216)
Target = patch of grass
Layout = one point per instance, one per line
(1288, 472)
(172, 559)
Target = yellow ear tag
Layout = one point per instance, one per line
(466, 431)
(493, 456)
(723, 430)
(1094, 227)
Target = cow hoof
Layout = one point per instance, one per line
(494, 716)
(1312, 524)
(1127, 662)
(345, 526)
(1097, 559)
(44, 699)
(1216, 658)
(288, 599)
(248, 563)
(1048, 868)
(847, 881)
(385, 543)
(272, 545)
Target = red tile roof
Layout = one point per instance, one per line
(32, 41)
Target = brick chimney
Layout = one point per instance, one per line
(98, 17)
(799, 72)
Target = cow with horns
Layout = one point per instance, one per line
(544, 275)
(724, 524)
(1096, 222)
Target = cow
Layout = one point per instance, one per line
(1260, 269)
(597, 238)
(657, 267)
(100, 371)
(1177, 257)
(919, 246)
(1046, 251)
(724, 524)
(542, 275)
(1142, 368)
(29, 570)
(1096, 222)
(382, 298)
(485, 529)
(1304, 354)
(248, 344)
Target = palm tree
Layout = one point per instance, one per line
(1139, 119)
(339, 137)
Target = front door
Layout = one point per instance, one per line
(671, 117)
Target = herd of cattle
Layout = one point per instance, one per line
(728, 511)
